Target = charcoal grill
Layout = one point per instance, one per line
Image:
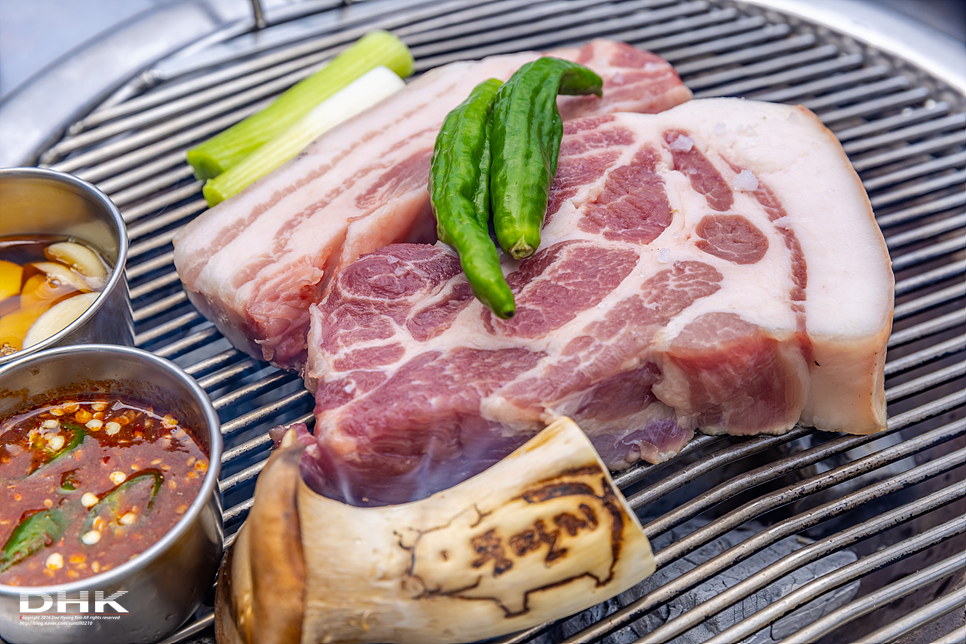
(894, 500)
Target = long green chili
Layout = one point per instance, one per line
(459, 190)
(525, 141)
(34, 533)
(112, 501)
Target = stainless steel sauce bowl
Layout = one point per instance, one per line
(164, 585)
(35, 201)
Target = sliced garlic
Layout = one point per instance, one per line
(91, 537)
(81, 259)
(61, 274)
(117, 477)
(89, 499)
(58, 317)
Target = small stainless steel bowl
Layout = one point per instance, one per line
(35, 201)
(165, 584)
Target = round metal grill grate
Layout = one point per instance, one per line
(889, 506)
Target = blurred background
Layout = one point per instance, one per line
(35, 34)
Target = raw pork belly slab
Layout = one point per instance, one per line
(255, 263)
(716, 266)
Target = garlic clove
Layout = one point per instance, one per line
(81, 259)
(59, 276)
(58, 317)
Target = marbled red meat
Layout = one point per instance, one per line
(254, 264)
(712, 267)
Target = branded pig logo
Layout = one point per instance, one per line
(526, 545)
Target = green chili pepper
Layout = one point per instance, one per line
(124, 496)
(34, 533)
(458, 187)
(525, 139)
(76, 438)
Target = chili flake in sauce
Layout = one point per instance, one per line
(86, 485)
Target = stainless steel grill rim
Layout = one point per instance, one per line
(904, 131)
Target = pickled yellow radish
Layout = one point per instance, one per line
(10, 279)
(58, 317)
(14, 327)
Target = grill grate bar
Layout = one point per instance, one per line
(838, 578)
(847, 79)
(800, 557)
(930, 327)
(923, 233)
(890, 102)
(925, 147)
(919, 188)
(112, 158)
(930, 277)
(907, 309)
(919, 130)
(246, 448)
(156, 308)
(711, 462)
(638, 608)
(490, 18)
(235, 514)
(147, 179)
(207, 365)
(750, 31)
(201, 338)
(787, 494)
(161, 261)
(890, 593)
(822, 53)
(247, 365)
(262, 414)
(853, 135)
(192, 109)
(920, 170)
(250, 473)
(926, 382)
(934, 251)
(939, 350)
(168, 328)
(922, 210)
(907, 145)
(797, 75)
(924, 615)
(639, 471)
(745, 54)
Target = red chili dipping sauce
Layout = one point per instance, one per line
(87, 484)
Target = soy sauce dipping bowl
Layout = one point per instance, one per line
(165, 584)
(36, 201)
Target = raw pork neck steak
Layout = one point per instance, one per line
(254, 264)
(716, 267)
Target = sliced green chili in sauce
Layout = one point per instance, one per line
(32, 534)
(87, 484)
